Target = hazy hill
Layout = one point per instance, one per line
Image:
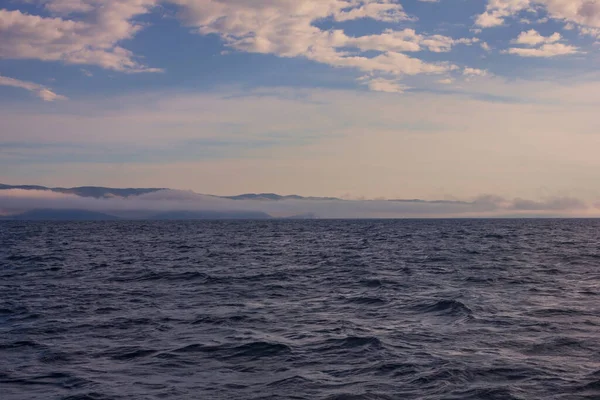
(101, 192)
(85, 215)
(87, 191)
(274, 196)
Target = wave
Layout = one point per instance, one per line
(365, 300)
(291, 381)
(446, 307)
(352, 342)
(560, 345)
(63, 380)
(164, 276)
(226, 319)
(491, 393)
(21, 343)
(554, 312)
(372, 283)
(362, 396)
(88, 396)
(55, 357)
(129, 353)
(248, 350)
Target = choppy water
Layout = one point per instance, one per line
(442, 309)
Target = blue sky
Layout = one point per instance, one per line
(364, 98)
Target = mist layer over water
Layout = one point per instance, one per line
(432, 309)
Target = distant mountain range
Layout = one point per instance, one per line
(274, 197)
(33, 202)
(99, 192)
(45, 209)
(85, 215)
(86, 191)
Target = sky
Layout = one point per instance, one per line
(448, 99)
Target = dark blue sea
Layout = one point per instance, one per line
(371, 309)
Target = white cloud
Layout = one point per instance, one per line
(384, 85)
(287, 29)
(90, 32)
(407, 40)
(381, 10)
(540, 46)
(474, 72)
(532, 38)
(41, 91)
(582, 12)
(80, 32)
(587, 31)
(546, 50)
(393, 63)
(497, 10)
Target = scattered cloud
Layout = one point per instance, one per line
(585, 13)
(384, 85)
(93, 32)
(547, 46)
(84, 32)
(386, 11)
(588, 31)
(288, 30)
(90, 32)
(40, 91)
(474, 72)
(406, 40)
(546, 50)
(532, 38)
(497, 10)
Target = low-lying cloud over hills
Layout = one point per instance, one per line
(38, 202)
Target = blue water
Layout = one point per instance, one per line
(403, 309)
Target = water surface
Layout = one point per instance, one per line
(393, 309)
